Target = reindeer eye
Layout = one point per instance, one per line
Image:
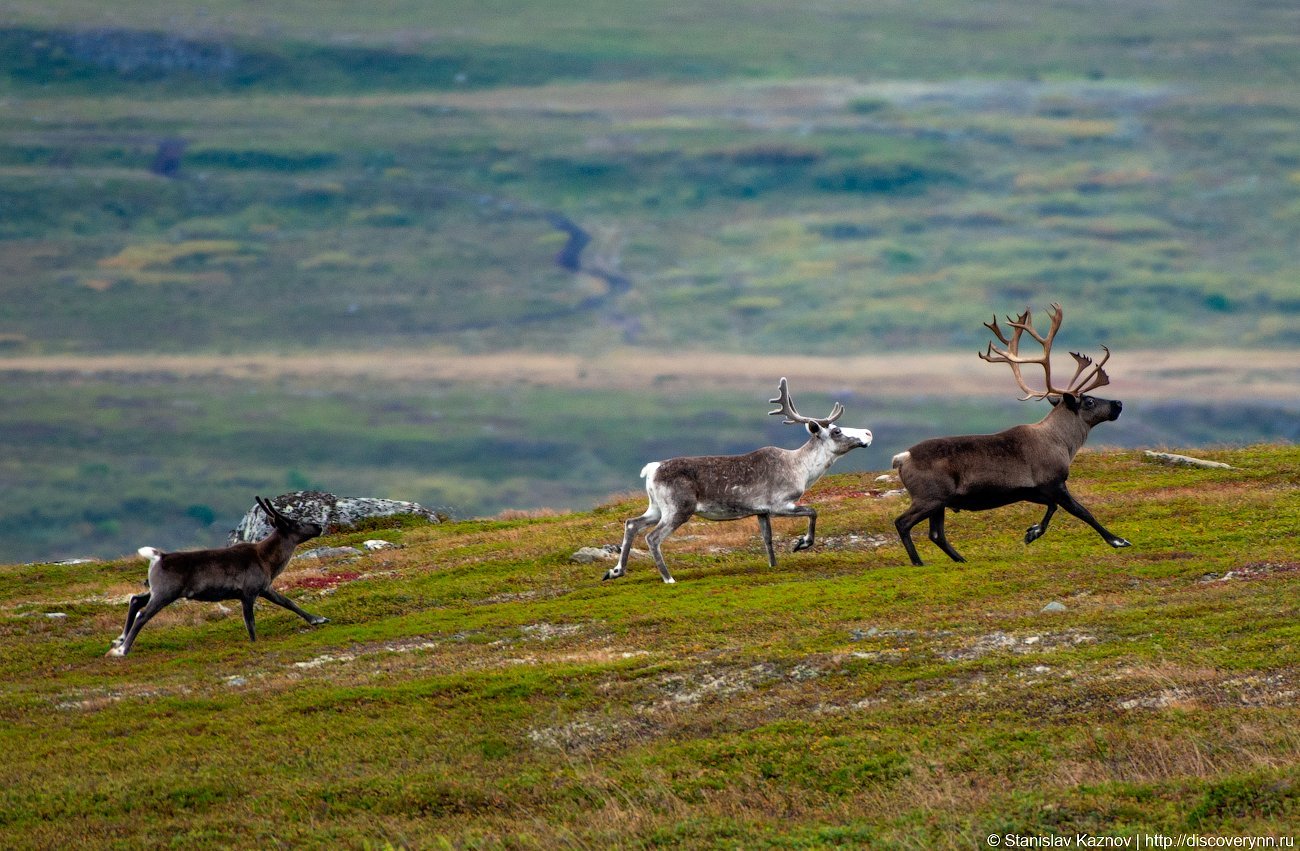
(836, 431)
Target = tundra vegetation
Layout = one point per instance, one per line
(475, 688)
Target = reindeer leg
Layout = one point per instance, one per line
(155, 605)
(248, 616)
(667, 525)
(1070, 504)
(138, 602)
(909, 518)
(1039, 529)
(937, 536)
(805, 542)
(632, 528)
(765, 528)
(284, 602)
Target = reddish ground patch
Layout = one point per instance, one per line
(832, 492)
(1255, 570)
(317, 583)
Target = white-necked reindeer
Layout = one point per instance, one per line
(764, 483)
(241, 572)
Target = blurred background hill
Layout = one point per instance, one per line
(457, 181)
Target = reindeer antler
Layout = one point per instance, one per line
(1081, 383)
(270, 509)
(792, 416)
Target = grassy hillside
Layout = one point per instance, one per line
(477, 689)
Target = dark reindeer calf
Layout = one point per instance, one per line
(1026, 463)
(241, 572)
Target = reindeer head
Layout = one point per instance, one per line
(838, 440)
(1087, 374)
(295, 530)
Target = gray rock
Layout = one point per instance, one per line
(1173, 460)
(587, 555)
(607, 552)
(1054, 606)
(376, 544)
(64, 562)
(335, 513)
(328, 552)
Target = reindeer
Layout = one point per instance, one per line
(241, 572)
(1028, 463)
(764, 483)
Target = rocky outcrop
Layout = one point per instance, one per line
(335, 513)
(1185, 461)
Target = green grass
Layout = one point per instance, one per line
(477, 689)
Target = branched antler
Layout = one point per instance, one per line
(792, 416)
(1083, 380)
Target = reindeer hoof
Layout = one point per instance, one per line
(318, 620)
(1119, 543)
(802, 544)
(115, 650)
(610, 574)
(1033, 533)
(670, 581)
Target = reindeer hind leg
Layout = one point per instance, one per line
(668, 524)
(939, 538)
(156, 604)
(631, 528)
(904, 523)
(138, 602)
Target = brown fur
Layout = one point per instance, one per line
(1028, 463)
(241, 572)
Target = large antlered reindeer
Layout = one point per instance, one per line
(1026, 463)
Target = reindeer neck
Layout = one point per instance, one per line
(1065, 428)
(275, 550)
(810, 461)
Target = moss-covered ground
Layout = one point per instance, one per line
(476, 688)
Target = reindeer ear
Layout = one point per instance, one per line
(1071, 401)
(814, 427)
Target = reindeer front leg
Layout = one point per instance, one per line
(1072, 505)
(284, 602)
(805, 541)
(1039, 529)
(765, 529)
